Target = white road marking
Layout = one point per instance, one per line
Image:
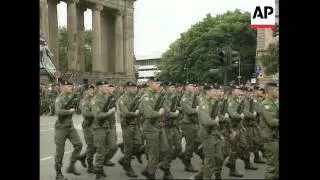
(51, 157)
(46, 130)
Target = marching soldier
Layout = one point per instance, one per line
(269, 124)
(101, 126)
(112, 147)
(130, 127)
(86, 126)
(64, 129)
(189, 125)
(213, 141)
(156, 140)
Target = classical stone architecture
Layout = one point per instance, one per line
(264, 38)
(112, 36)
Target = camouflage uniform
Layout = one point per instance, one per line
(213, 141)
(100, 130)
(269, 123)
(189, 128)
(156, 140)
(130, 131)
(64, 130)
(86, 126)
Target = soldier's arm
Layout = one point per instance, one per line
(246, 111)
(167, 106)
(232, 111)
(148, 111)
(269, 116)
(204, 116)
(59, 109)
(187, 106)
(85, 109)
(97, 112)
(124, 111)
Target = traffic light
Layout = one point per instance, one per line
(275, 31)
(222, 57)
(233, 58)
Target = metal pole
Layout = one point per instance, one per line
(239, 73)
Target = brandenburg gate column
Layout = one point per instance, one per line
(96, 38)
(53, 30)
(119, 42)
(128, 41)
(44, 26)
(72, 34)
(80, 33)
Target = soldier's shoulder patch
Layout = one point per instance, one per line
(203, 107)
(230, 104)
(121, 102)
(255, 100)
(183, 99)
(146, 98)
(267, 107)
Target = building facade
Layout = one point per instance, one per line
(147, 66)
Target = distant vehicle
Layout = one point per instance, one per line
(145, 72)
(47, 68)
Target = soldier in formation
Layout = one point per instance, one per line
(216, 122)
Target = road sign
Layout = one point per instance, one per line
(258, 69)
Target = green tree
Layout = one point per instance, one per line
(63, 49)
(270, 59)
(194, 53)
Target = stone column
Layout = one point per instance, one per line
(128, 41)
(53, 31)
(72, 34)
(44, 25)
(80, 33)
(96, 38)
(119, 43)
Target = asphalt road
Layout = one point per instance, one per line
(47, 151)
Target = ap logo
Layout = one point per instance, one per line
(263, 14)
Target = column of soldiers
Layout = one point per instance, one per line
(216, 122)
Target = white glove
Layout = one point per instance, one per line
(255, 113)
(226, 115)
(217, 118)
(242, 115)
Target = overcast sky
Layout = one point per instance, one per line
(158, 23)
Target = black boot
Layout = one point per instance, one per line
(217, 176)
(199, 176)
(72, 170)
(188, 166)
(199, 152)
(82, 159)
(131, 173)
(139, 154)
(121, 146)
(100, 174)
(167, 174)
(59, 174)
(90, 166)
(234, 172)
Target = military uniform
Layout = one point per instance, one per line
(269, 124)
(189, 127)
(64, 129)
(213, 141)
(130, 130)
(86, 126)
(100, 128)
(156, 140)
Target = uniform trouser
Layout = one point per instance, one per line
(112, 147)
(253, 138)
(157, 150)
(272, 156)
(190, 132)
(174, 142)
(239, 148)
(131, 140)
(101, 141)
(60, 137)
(88, 138)
(214, 154)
